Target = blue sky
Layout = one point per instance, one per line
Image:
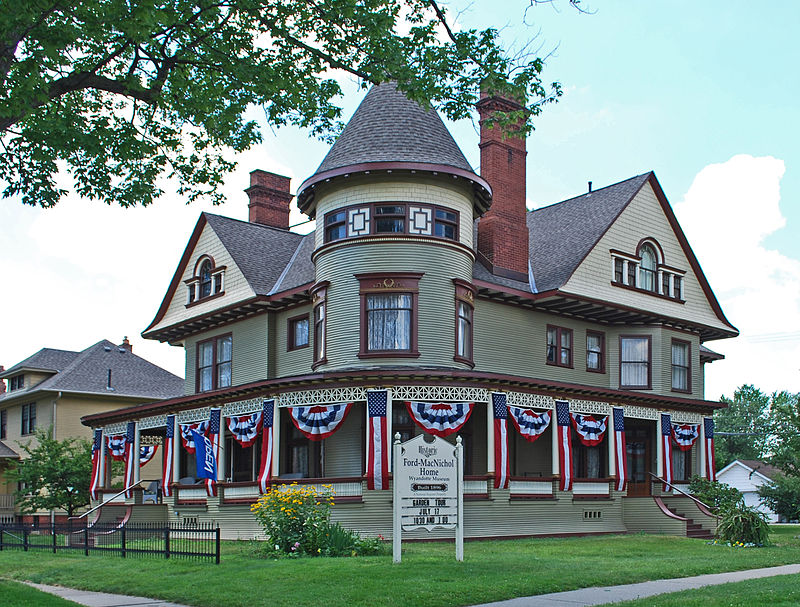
(703, 93)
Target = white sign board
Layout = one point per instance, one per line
(428, 487)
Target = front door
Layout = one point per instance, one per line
(639, 449)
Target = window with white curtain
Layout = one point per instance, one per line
(388, 321)
(634, 362)
(647, 268)
(680, 366)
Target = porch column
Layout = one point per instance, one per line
(102, 465)
(137, 445)
(276, 440)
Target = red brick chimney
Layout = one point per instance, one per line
(502, 231)
(269, 199)
(126, 345)
(2, 383)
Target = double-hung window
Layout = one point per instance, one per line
(681, 366)
(297, 332)
(389, 314)
(214, 363)
(559, 346)
(465, 296)
(647, 268)
(634, 362)
(595, 351)
(319, 314)
(28, 419)
(16, 383)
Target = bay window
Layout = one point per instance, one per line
(634, 362)
(388, 314)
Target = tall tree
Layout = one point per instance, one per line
(122, 93)
(785, 433)
(53, 475)
(746, 418)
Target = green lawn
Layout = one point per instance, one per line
(428, 575)
(19, 595)
(779, 591)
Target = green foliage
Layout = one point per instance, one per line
(122, 93)
(785, 432)
(747, 413)
(782, 496)
(743, 524)
(55, 474)
(714, 494)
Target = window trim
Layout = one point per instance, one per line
(385, 283)
(319, 293)
(649, 385)
(290, 323)
(373, 217)
(557, 362)
(25, 415)
(214, 364)
(602, 336)
(688, 345)
(3, 423)
(217, 276)
(631, 279)
(17, 382)
(464, 294)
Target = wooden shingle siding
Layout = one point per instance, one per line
(593, 276)
(293, 362)
(436, 298)
(235, 286)
(412, 188)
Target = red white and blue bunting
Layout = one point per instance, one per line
(245, 428)
(590, 430)
(186, 434)
(621, 449)
(685, 435)
(440, 419)
(708, 431)
(146, 453)
(531, 425)
(169, 450)
(666, 444)
(319, 421)
(94, 482)
(564, 445)
(130, 459)
(378, 445)
(116, 447)
(502, 466)
(267, 420)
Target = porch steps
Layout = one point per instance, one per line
(693, 529)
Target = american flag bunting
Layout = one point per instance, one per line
(708, 429)
(564, 445)
(97, 445)
(620, 455)
(265, 470)
(666, 444)
(502, 467)
(131, 461)
(169, 450)
(378, 439)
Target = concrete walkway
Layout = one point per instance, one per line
(628, 592)
(574, 598)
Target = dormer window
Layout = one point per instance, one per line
(16, 383)
(646, 271)
(207, 281)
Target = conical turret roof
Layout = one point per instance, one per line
(389, 131)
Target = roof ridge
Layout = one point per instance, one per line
(612, 185)
(251, 223)
(278, 282)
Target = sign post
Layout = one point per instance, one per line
(428, 489)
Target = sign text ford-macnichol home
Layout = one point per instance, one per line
(564, 344)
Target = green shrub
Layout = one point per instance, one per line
(782, 496)
(743, 524)
(717, 496)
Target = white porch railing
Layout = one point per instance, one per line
(7, 501)
(530, 487)
(192, 493)
(104, 494)
(594, 488)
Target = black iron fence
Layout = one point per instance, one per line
(131, 540)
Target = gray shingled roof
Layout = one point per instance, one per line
(131, 375)
(388, 127)
(7, 452)
(46, 359)
(562, 234)
(262, 253)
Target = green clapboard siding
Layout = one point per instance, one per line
(439, 264)
(294, 362)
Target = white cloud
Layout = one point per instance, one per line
(727, 213)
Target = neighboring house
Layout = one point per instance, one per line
(53, 389)
(747, 475)
(435, 283)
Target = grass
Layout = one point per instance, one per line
(779, 591)
(429, 576)
(19, 595)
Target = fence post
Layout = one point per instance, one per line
(1, 537)
(166, 541)
(86, 539)
(53, 532)
(25, 539)
(217, 542)
(122, 533)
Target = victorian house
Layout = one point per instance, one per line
(565, 345)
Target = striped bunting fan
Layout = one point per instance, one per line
(531, 425)
(319, 421)
(245, 428)
(685, 435)
(440, 419)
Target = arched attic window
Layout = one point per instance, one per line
(648, 267)
(206, 281)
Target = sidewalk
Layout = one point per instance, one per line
(574, 598)
(615, 594)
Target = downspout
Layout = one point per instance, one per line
(58, 396)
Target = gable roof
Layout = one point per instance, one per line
(7, 452)
(46, 359)
(87, 373)
(388, 127)
(760, 467)
(270, 259)
(562, 235)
